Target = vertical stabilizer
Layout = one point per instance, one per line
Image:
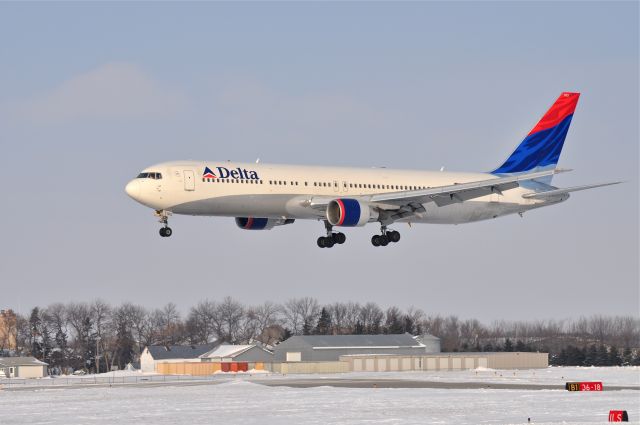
(542, 146)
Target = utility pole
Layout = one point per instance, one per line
(97, 356)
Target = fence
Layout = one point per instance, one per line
(109, 380)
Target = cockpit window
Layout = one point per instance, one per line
(155, 176)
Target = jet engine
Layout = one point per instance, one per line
(349, 213)
(256, 223)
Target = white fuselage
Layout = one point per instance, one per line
(286, 191)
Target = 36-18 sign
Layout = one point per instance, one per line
(583, 386)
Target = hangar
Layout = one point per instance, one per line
(153, 354)
(323, 348)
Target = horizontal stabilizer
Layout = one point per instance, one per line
(558, 192)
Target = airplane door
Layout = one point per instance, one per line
(336, 187)
(345, 188)
(189, 180)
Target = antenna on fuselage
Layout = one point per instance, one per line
(258, 161)
(442, 168)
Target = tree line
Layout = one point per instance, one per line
(71, 336)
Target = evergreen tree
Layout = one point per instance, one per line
(614, 357)
(324, 323)
(306, 328)
(35, 324)
(575, 356)
(286, 334)
(508, 345)
(408, 325)
(602, 358)
(520, 346)
(488, 347)
(627, 357)
(591, 355)
(477, 347)
(359, 328)
(636, 359)
(125, 344)
(560, 359)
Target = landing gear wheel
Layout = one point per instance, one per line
(393, 236)
(328, 242)
(165, 232)
(375, 240)
(339, 238)
(384, 240)
(321, 242)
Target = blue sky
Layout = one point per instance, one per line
(92, 93)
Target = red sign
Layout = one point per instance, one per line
(618, 416)
(590, 386)
(583, 386)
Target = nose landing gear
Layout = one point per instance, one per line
(165, 231)
(385, 238)
(332, 238)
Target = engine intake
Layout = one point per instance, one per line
(257, 223)
(348, 212)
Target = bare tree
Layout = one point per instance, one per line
(267, 319)
(204, 322)
(299, 312)
(371, 318)
(231, 313)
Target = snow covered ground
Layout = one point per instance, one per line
(240, 401)
(248, 403)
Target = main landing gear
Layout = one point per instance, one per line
(385, 238)
(165, 231)
(332, 238)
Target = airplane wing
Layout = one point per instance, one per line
(557, 192)
(407, 203)
(455, 193)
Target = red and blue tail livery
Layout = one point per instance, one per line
(542, 146)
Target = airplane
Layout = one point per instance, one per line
(263, 196)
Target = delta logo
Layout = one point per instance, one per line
(225, 173)
(208, 174)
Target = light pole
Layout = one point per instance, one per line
(97, 356)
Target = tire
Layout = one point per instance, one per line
(339, 238)
(321, 242)
(328, 242)
(384, 240)
(162, 232)
(167, 231)
(393, 236)
(375, 240)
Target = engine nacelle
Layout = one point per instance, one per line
(256, 223)
(349, 213)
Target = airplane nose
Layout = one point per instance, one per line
(133, 189)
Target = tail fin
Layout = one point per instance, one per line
(542, 146)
